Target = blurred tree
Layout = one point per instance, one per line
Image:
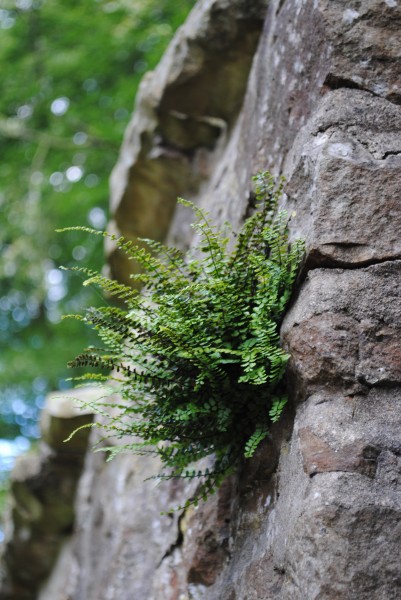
(69, 77)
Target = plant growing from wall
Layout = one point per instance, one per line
(197, 353)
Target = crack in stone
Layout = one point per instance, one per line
(384, 156)
(317, 261)
(335, 127)
(363, 143)
(280, 6)
(177, 543)
(381, 383)
(391, 153)
(335, 82)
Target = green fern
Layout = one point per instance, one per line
(197, 354)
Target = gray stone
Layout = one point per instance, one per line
(364, 49)
(182, 109)
(349, 510)
(345, 329)
(122, 537)
(42, 492)
(344, 180)
(348, 440)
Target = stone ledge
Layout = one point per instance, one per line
(42, 493)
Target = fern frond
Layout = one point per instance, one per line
(196, 356)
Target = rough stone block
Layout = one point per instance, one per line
(344, 175)
(42, 494)
(344, 331)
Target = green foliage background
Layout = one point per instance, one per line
(69, 73)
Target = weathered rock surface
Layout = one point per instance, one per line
(344, 174)
(182, 109)
(347, 434)
(340, 314)
(43, 488)
(316, 513)
(105, 563)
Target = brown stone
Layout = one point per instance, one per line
(324, 351)
(345, 182)
(340, 332)
(206, 545)
(365, 53)
(320, 457)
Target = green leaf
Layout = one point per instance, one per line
(277, 408)
(198, 353)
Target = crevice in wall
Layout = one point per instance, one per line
(382, 383)
(391, 153)
(280, 6)
(335, 82)
(177, 542)
(316, 260)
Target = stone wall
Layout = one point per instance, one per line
(311, 89)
